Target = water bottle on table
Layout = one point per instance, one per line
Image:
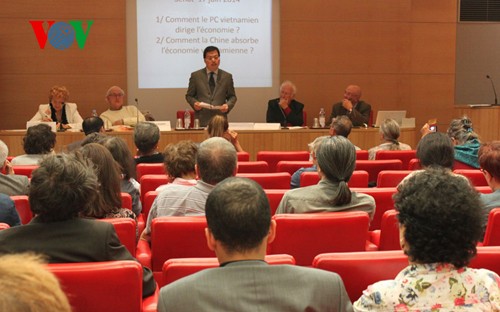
(322, 118)
(187, 119)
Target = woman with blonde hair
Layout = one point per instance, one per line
(218, 126)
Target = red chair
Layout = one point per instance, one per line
(274, 197)
(175, 237)
(243, 156)
(100, 286)
(361, 155)
(4, 226)
(391, 178)
(174, 269)
(373, 167)
(23, 208)
(180, 114)
(404, 156)
(276, 180)
(126, 200)
(387, 238)
(460, 165)
(253, 167)
(492, 233)
(361, 269)
(475, 176)
(273, 157)
(359, 178)
(149, 198)
(126, 229)
(414, 164)
(306, 235)
(383, 202)
(25, 170)
(145, 168)
(150, 182)
(483, 189)
(291, 166)
(487, 258)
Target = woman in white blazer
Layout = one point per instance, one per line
(64, 114)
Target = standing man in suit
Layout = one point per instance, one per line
(285, 109)
(211, 90)
(351, 106)
(239, 229)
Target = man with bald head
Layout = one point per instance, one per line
(118, 114)
(351, 106)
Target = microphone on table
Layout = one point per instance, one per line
(137, 106)
(493, 86)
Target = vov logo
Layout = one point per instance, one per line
(61, 35)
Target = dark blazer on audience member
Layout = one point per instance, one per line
(74, 240)
(199, 91)
(253, 285)
(276, 114)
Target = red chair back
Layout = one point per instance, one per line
(475, 176)
(274, 197)
(414, 164)
(149, 198)
(383, 202)
(177, 237)
(492, 233)
(387, 238)
(404, 156)
(361, 269)
(243, 156)
(100, 286)
(306, 235)
(460, 165)
(146, 168)
(126, 229)
(174, 269)
(291, 166)
(23, 208)
(275, 180)
(273, 157)
(25, 170)
(487, 258)
(361, 155)
(391, 178)
(373, 167)
(4, 226)
(483, 189)
(359, 178)
(150, 182)
(126, 200)
(253, 167)
(180, 114)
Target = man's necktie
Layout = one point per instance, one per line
(211, 82)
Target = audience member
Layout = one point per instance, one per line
(96, 137)
(216, 160)
(8, 212)
(119, 114)
(180, 161)
(436, 150)
(342, 125)
(27, 286)
(109, 203)
(37, 143)
(389, 134)
(489, 161)
(146, 138)
(313, 147)
(64, 114)
(211, 89)
(89, 125)
(63, 187)
(218, 126)
(123, 157)
(285, 109)
(351, 106)
(239, 229)
(440, 224)
(336, 159)
(10, 183)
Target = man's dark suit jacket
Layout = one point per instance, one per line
(360, 114)
(75, 240)
(199, 91)
(276, 114)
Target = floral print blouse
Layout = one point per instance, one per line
(434, 287)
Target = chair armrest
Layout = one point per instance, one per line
(143, 253)
(149, 304)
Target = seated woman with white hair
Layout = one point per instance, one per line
(389, 134)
